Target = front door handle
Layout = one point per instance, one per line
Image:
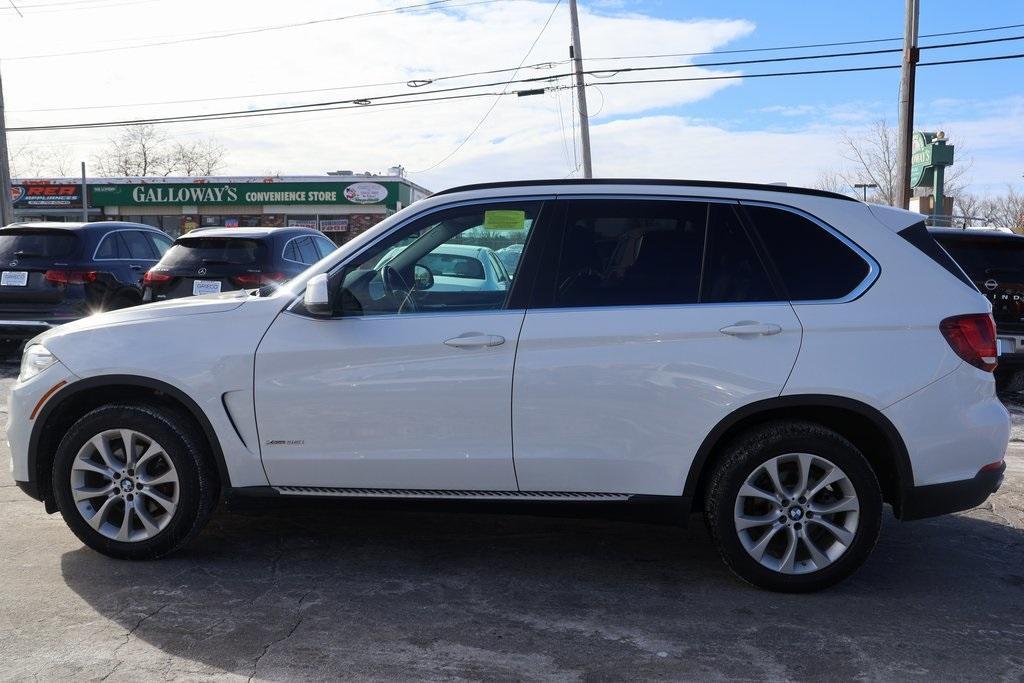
(474, 340)
(747, 328)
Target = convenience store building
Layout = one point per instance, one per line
(341, 206)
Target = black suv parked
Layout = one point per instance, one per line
(53, 273)
(212, 260)
(994, 260)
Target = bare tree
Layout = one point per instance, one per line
(832, 181)
(201, 157)
(1005, 210)
(872, 158)
(29, 161)
(148, 151)
(136, 151)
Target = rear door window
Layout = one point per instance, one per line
(639, 252)
(307, 251)
(733, 269)
(112, 247)
(324, 246)
(196, 252)
(138, 246)
(36, 245)
(160, 243)
(814, 265)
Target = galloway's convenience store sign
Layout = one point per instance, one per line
(196, 194)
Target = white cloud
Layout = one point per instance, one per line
(638, 130)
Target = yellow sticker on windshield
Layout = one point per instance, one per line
(505, 220)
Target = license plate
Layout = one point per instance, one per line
(1005, 345)
(14, 278)
(206, 287)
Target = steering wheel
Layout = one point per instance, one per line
(396, 286)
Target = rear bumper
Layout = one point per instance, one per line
(23, 329)
(940, 499)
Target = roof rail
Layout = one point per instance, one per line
(642, 181)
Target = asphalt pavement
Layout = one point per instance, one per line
(317, 591)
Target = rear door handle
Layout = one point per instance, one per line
(751, 329)
(473, 340)
(135, 267)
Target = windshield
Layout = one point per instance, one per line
(36, 244)
(984, 256)
(453, 265)
(196, 252)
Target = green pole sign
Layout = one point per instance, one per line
(929, 157)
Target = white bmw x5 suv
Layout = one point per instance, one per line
(783, 360)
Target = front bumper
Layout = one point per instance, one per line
(940, 499)
(25, 403)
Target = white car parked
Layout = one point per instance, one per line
(757, 353)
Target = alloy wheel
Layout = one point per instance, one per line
(797, 513)
(124, 485)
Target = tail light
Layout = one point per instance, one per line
(257, 279)
(70, 277)
(152, 277)
(973, 337)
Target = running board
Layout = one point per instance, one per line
(448, 495)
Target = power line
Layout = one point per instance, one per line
(806, 46)
(540, 65)
(260, 29)
(363, 101)
(504, 90)
(407, 82)
(416, 98)
(109, 3)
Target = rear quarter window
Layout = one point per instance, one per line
(813, 264)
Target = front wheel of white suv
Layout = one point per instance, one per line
(132, 480)
(793, 507)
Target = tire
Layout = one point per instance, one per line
(122, 301)
(788, 527)
(1009, 381)
(171, 495)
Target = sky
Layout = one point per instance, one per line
(782, 129)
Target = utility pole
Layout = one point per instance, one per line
(581, 90)
(85, 197)
(6, 202)
(911, 54)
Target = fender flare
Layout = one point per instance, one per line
(902, 463)
(71, 390)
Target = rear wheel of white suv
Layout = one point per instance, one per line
(793, 507)
(132, 480)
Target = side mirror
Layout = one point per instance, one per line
(317, 298)
(423, 278)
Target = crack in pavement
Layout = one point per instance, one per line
(291, 632)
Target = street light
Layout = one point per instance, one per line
(865, 186)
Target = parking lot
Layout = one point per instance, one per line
(317, 591)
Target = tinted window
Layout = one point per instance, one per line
(29, 244)
(434, 264)
(159, 242)
(112, 247)
(813, 264)
(190, 252)
(138, 246)
(733, 270)
(307, 252)
(983, 256)
(291, 251)
(631, 252)
(324, 245)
